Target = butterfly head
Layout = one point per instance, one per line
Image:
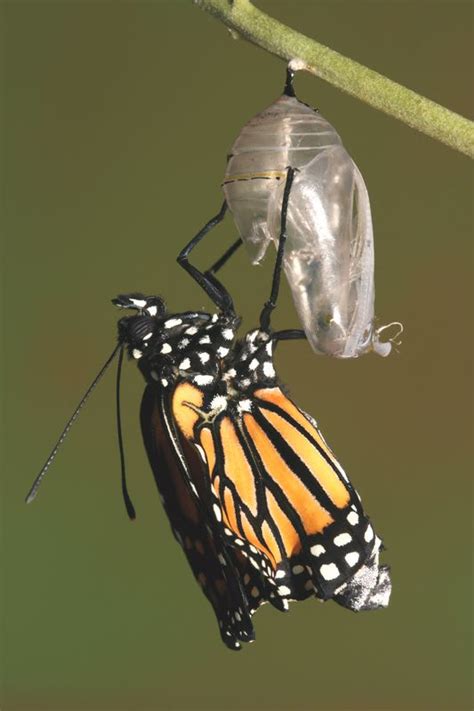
(135, 331)
(149, 305)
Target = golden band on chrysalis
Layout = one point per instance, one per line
(263, 175)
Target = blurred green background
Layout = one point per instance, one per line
(117, 120)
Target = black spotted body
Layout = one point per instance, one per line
(256, 498)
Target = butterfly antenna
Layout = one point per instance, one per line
(126, 496)
(37, 482)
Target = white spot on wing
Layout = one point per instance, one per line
(136, 353)
(228, 334)
(191, 331)
(317, 550)
(185, 364)
(253, 364)
(222, 352)
(204, 357)
(352, 558)
(369, 534)
(205, 339)
(329, 571)
(218, 513)
(245, 406)
(342, 539)
(219, 402)
(166, 348)
(353, 518)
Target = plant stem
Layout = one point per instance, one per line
(350, 76)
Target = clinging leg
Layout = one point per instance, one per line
(206, 280)
(265, 315)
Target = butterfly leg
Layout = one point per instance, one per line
(225, 257)
(206, 280)
(290, 334)
(271, 303)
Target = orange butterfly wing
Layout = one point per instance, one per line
(279, 493)
(232, 585)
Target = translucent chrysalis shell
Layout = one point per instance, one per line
(329, 254)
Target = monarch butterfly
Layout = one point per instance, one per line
(254, 495)
(329, 260)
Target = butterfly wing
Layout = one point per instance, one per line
(284, 501)
(339, 546)
(178, 472)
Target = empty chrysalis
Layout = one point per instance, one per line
(329, 257)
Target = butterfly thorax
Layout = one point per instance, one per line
(198, 348)
(192, 345)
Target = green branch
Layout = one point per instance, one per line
(376, 90)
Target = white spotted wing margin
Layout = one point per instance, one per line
(178, 473)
